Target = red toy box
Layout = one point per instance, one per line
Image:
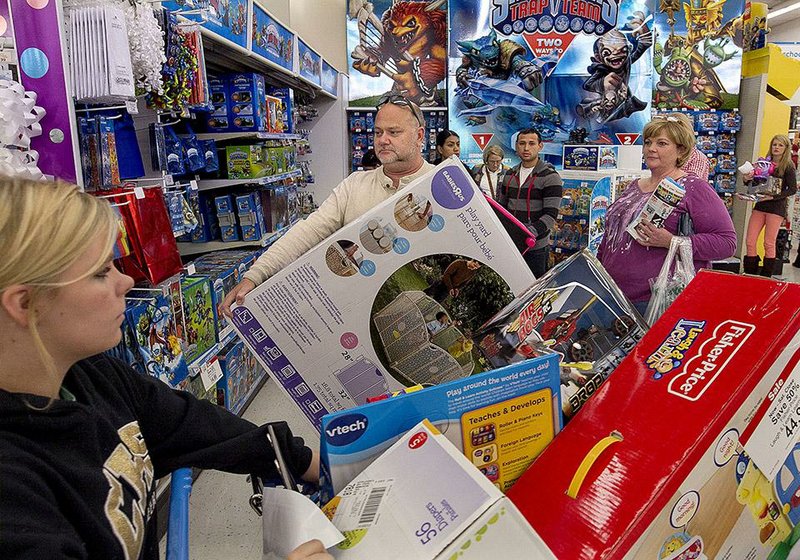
(711, 391)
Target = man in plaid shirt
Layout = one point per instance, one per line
(532, 191)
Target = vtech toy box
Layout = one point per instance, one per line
(501, 420)
(690, 450)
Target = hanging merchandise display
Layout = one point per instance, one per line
(559, 68)
(154, 256)
(100, 60)
(397, 47)
(19, 122)
(146, 39)
(698, 55)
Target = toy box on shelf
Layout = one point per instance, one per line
(500, 419)
(368, 298)
(584, 157)
(199, 316)
(582, 215)
(423, 500)
(693, 440)
(241, 372)
(575, 310)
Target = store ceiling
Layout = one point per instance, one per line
(776, 5)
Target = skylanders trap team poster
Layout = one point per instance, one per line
(554, 65)
(697, 55)
(397, 46)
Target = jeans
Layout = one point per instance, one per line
(538, 261)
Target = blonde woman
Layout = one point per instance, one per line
(84, 437)
(770, 212)
(487, 174)
(668, 143)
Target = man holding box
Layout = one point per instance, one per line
(399, 136)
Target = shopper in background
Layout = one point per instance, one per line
(370, 160)
(667, 145)
(399, 135)
(448, 143)
(770, 212)
(697, 164)
(532, 191)
(487, 175)
(83, 437)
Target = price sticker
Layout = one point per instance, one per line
(190, 269)
(775, 427)
(138, 192)
(210, 373)
(193, 185)
(169, 180)
(132, 107)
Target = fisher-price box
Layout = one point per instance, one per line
(500, 419)
(423, 500)
(690, 449)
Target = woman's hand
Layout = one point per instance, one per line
(652, 236)
(311, 550)
(747, 176)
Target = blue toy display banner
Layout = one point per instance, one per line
(310, 63)
(577, 71)
(698, 55)
(272, 40)
(329, 78)
(226, 18)
(397, 46)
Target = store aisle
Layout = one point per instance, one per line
(222, 525)
(221, 522)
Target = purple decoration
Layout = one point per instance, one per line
(5, 14)
(451, 188)
(40, 29)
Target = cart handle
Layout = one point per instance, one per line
(178, 527)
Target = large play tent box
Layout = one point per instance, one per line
(423, 500)
(690, 450)
(388, 301)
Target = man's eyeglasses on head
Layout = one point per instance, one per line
(400, 101)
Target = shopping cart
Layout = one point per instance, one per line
(181, 489)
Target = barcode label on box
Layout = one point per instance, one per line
(361, 504)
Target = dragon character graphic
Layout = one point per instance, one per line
(610, 97)
(408, 44)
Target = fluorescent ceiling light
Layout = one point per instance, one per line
(781, 11)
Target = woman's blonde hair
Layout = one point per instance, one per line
(677, 127)
(495, 150)
(786, 158)
(44, 228)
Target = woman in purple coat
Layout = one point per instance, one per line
(632, 263)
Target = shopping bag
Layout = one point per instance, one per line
(676, 273)
(154, 252)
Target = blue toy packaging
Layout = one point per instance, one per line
(730, 121)
(199, 316)
(357, 122)
(581, 158)
(219, 118)
(501, 420)
(247, 101)
(706, 121)
(240, 373)
(726, 163)
(251, 217)
(725, 183)
(707, 144)
(207, 227)
(226, 217)
(609, 156)
(726, 141)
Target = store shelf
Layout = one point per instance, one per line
(223, 136)
(188, 249)
(209, 184)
